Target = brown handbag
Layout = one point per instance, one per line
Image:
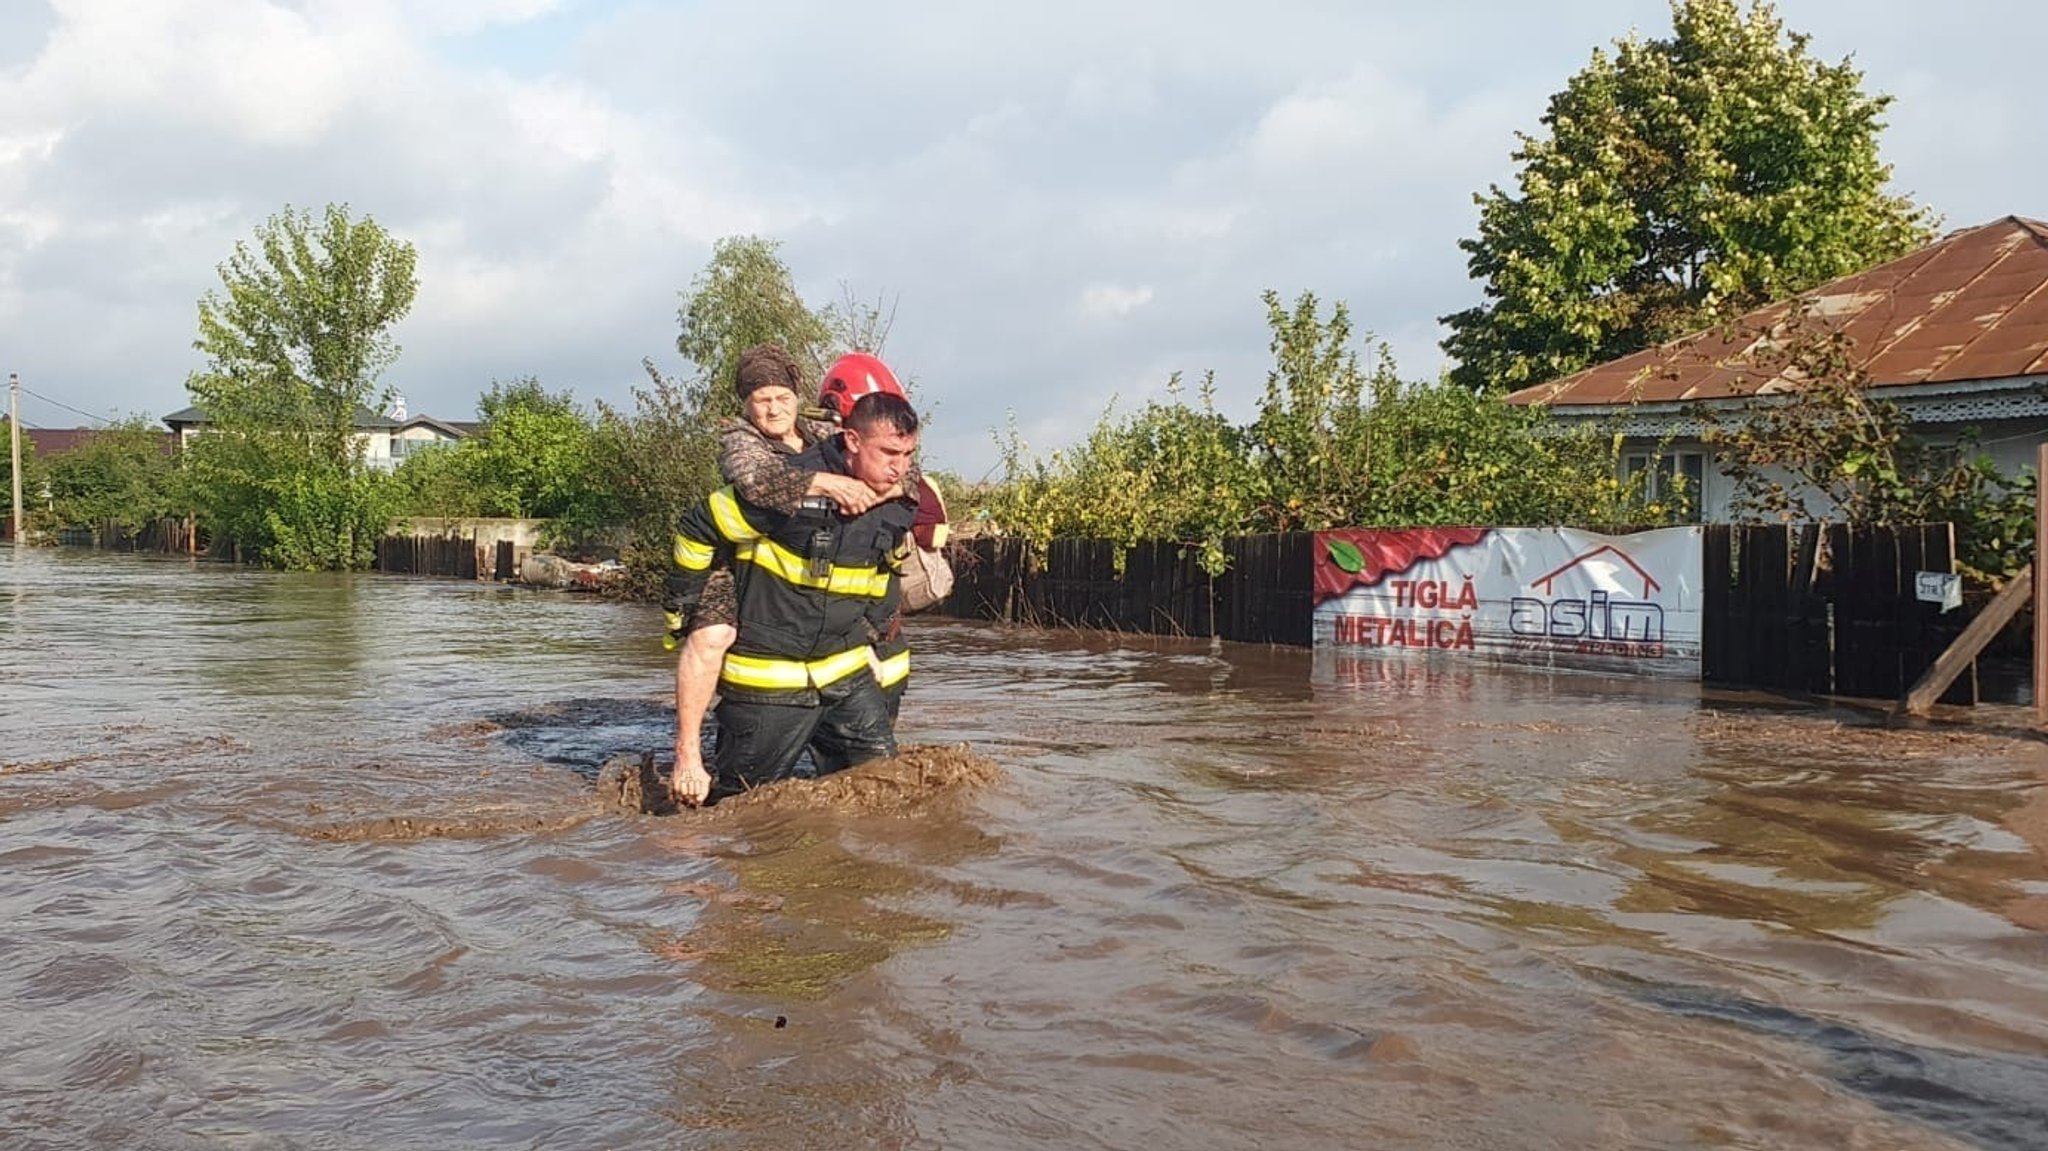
(927, 579)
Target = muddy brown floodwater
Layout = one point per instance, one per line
(297, 861)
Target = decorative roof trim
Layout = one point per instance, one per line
(1921, 401)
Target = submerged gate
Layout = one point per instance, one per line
(1826, 609)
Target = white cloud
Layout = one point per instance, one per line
(1328, 126)
(256, 70)
(456, 17)
(1113, 301)
(1068, 200)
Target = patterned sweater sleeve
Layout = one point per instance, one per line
(759, 471)
(696, 548)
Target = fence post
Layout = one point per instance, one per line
(2041, 587)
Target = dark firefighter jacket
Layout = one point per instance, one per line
(815, 588)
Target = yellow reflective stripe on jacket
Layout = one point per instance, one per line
(732, 523)
(791, 674)
(894, 670)
(790, 567)
(691, 555)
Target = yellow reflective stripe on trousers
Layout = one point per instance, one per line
(895, 669)
(790, 567)
(691, 555)
(732, 523)
(791, 674)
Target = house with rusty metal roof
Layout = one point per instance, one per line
(1955, 334)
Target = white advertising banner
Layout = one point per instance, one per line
(1552, 597)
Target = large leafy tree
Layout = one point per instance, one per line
(537, 454)
(1678, 181)
(658, 459)
(745, 296)
(535, 449)
(1306, 437)
(119, 478)
(295, 342)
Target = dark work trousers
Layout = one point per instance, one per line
(761, 742)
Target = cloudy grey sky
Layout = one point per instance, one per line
(1068, 201)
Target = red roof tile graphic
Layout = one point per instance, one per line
(1387, 551)
(1650, 583)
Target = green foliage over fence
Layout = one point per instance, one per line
(1332, 445)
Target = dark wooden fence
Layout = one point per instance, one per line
(1264, 597)
(171, 535)
(1826, 609)
(451, 556)
(1814, 609)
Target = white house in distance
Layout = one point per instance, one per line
(415, 433)
(1955, 334)
(386, 440)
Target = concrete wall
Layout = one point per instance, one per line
(486, 532)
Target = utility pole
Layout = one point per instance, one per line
(14, 445)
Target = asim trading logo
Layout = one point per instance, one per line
(1598, 624)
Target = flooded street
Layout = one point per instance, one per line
(317, 862)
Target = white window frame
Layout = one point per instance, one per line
(1664, 465)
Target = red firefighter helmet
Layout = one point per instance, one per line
(852, 376)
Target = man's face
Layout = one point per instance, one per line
(880, 456)
(772, 410)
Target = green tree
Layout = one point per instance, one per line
(1169, 471)
(319, 519)
(660, 457)
(1679, 181)
(534, 453)
(1332, 446)
(655, 461)
(295, 342)
(1306, 440)
(440, 482)
(119, 478)
(745, 296)
(1436, 453)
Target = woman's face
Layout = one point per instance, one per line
(773, 410)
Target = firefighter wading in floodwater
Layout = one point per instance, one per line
(816, 589)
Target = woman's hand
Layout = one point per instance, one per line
(852, 496)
